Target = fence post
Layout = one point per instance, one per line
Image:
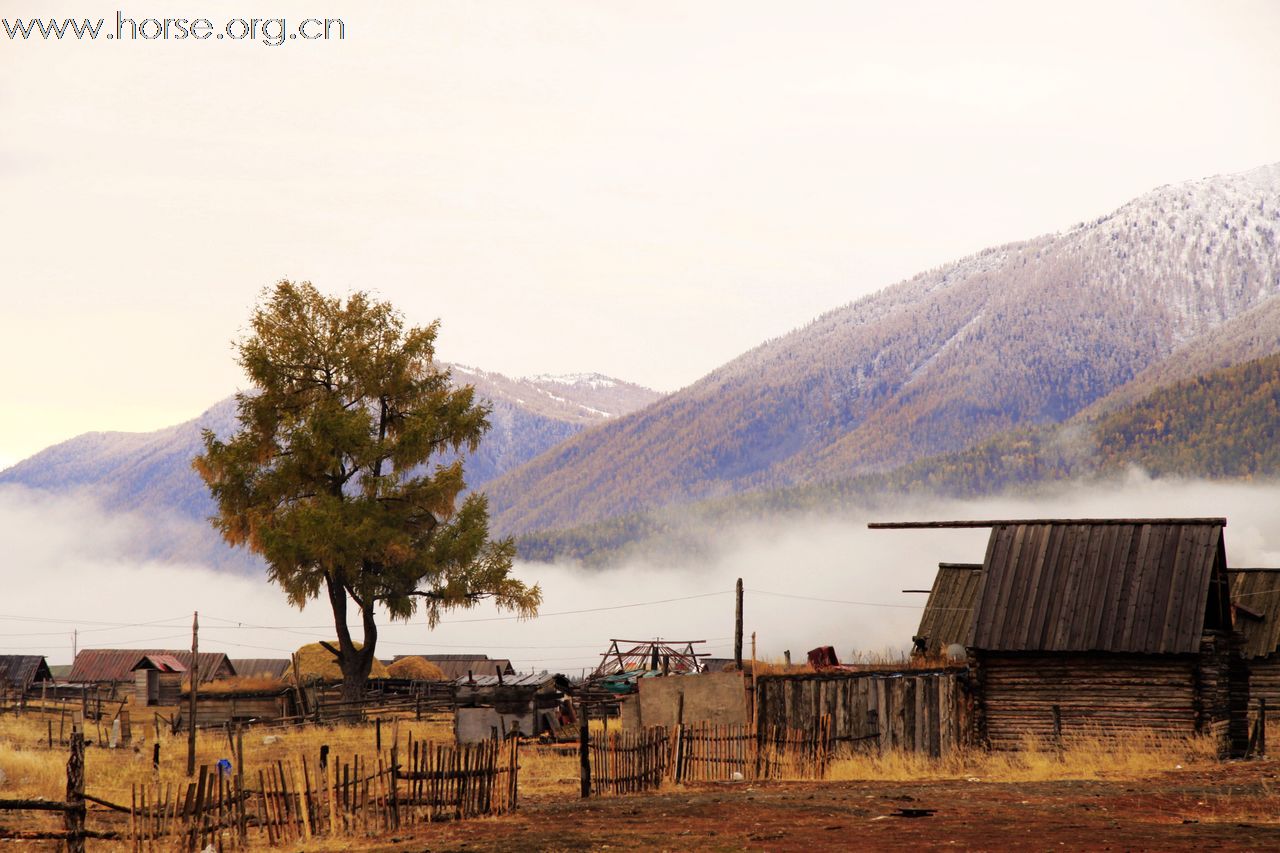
(584, 751)
(73, 820)
(1262, 726)
(1057, 728)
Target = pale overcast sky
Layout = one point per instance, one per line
(644, 189)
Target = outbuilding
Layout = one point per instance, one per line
(1104, 626)
(157, 680)
(1255, 606)
(19, 673)
(948, 614)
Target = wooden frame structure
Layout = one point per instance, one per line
(673, 656)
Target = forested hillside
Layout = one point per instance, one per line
(1224, 424)
(1018, 336)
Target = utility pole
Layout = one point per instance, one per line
(195, 683)
(75, 636)
(737, 630)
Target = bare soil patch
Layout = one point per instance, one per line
(1232, 806)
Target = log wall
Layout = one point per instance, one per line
(1111, 694)
(1264, 680)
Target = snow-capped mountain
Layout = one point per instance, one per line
(1025, 333)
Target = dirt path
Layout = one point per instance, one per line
(1230, 808)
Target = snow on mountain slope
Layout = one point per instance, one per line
(1025, 333)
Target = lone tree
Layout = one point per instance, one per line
(336, 475)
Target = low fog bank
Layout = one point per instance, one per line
(810, 581)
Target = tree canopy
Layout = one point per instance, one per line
(334, 478)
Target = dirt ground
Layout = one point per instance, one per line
(1235, 806)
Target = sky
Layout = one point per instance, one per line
(640, 189)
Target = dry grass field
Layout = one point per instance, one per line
(1145, 794)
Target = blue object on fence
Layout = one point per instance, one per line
(224, 766)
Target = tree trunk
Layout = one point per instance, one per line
(355, 663)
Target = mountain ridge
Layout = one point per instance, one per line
(150, 472)
(1025, 333)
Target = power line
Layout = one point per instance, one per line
(836, 600)
(110, 626)
(236, 623)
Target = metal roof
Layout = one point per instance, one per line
(1131, 585)
(162, 663)
(457, 666)
(260, 667)
(21, 671)
(523, 679)
(1259, 592)
(948, 614)
(115, 665)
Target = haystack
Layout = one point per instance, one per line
(318, 664)
(416, 668)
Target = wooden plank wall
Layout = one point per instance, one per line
(924, 711)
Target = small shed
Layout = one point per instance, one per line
(948, 614)
(19, 673)
(1255, 606)
(157, 680)
(1103, 626)
(532, 703)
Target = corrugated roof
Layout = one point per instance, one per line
(163, 663)
(948, 615)
(21, 671)
(524, 679)
(457, 666)
(260, 667)
(115, 665)
(1117, 586)
(1259, 591)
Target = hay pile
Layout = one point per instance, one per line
(318, 664)
(416, 668)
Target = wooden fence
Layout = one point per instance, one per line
(290, 802)
(795, 753)
(629, 762)
(72, 810)
(914, 711)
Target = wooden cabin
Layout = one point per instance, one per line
(1255, 606)
(948, 614)
(1102, 627)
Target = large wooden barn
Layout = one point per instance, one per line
(1104, 626)
(1255, 604)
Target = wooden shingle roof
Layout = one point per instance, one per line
(1132, 585)
(948, 615)
(1258, 619)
